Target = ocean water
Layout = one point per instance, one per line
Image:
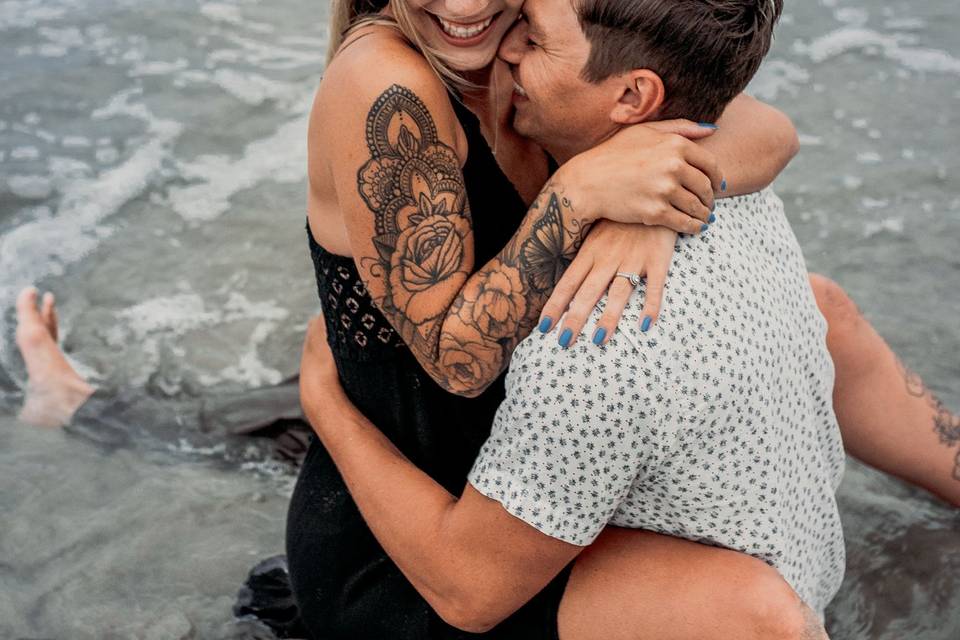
(152, 175)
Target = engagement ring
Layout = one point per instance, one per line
(634, 278)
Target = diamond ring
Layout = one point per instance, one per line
(634, 278)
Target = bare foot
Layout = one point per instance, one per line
(54, 390)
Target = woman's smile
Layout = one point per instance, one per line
(465, 34)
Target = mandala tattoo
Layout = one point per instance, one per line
(945, 424)
(462, 326)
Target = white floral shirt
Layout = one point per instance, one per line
(716, 425)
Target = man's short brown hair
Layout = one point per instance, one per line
(705, 51)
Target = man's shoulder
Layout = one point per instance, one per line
(543, 349)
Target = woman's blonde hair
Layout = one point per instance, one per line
(346, 16)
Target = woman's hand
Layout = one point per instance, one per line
(649, 173)
(319, 380)
(610, 248)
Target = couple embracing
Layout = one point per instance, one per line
(491, 188)
(579, 193)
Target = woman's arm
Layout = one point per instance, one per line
(753, 144)
(409, 223)
(472, 561)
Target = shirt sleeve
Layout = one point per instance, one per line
(574, 433)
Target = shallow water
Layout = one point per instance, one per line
(151, 175)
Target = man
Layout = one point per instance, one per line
(715, 425)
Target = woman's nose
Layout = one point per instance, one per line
(467, 8)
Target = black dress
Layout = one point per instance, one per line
(345, 584)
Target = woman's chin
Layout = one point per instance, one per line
(466, 62)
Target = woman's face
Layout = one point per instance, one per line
(466, 33)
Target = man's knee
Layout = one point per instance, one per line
(775, 612)
(836, 306)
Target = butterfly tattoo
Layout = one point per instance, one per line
(549, 250)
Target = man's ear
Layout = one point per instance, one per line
(641, 98)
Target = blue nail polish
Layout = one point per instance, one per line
(704, 228)
(565, 338)
(712, 218)
(646, 324)
(723, 185)
(545, 325)
(599, 335)
(707, 125)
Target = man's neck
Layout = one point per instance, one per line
(562, 153)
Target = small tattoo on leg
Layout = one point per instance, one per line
(945, 424)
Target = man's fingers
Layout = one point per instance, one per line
(564, 292)
(617, 297)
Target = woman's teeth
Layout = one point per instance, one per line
(519, 89)
(457, 30)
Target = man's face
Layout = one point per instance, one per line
(555, 106)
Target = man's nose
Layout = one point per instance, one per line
(512, 46)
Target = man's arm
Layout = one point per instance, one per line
(470, 559)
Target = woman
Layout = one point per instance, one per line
(394, 155)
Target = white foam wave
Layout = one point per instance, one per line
(890, 225)
(230, 14)
(251, 88)
(75, 142)
(905, 24)
(30, 187)
(268, 56)
(281, 157)
(160, 319)
(25, 152)
(23, 14)
(43, 246)
(776, 76)
(177, 314)
(855, 16)
(894, 47)
(157, 67)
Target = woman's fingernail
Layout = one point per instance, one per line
(545, 325)
(707, 125)
(723, 185)
(646, 324)
(599, 335)
(704, 228)
(565, 338)
(712, 218)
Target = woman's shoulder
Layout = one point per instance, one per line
(378, 63)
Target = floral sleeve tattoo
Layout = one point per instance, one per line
(461, 327)
(945, 424)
